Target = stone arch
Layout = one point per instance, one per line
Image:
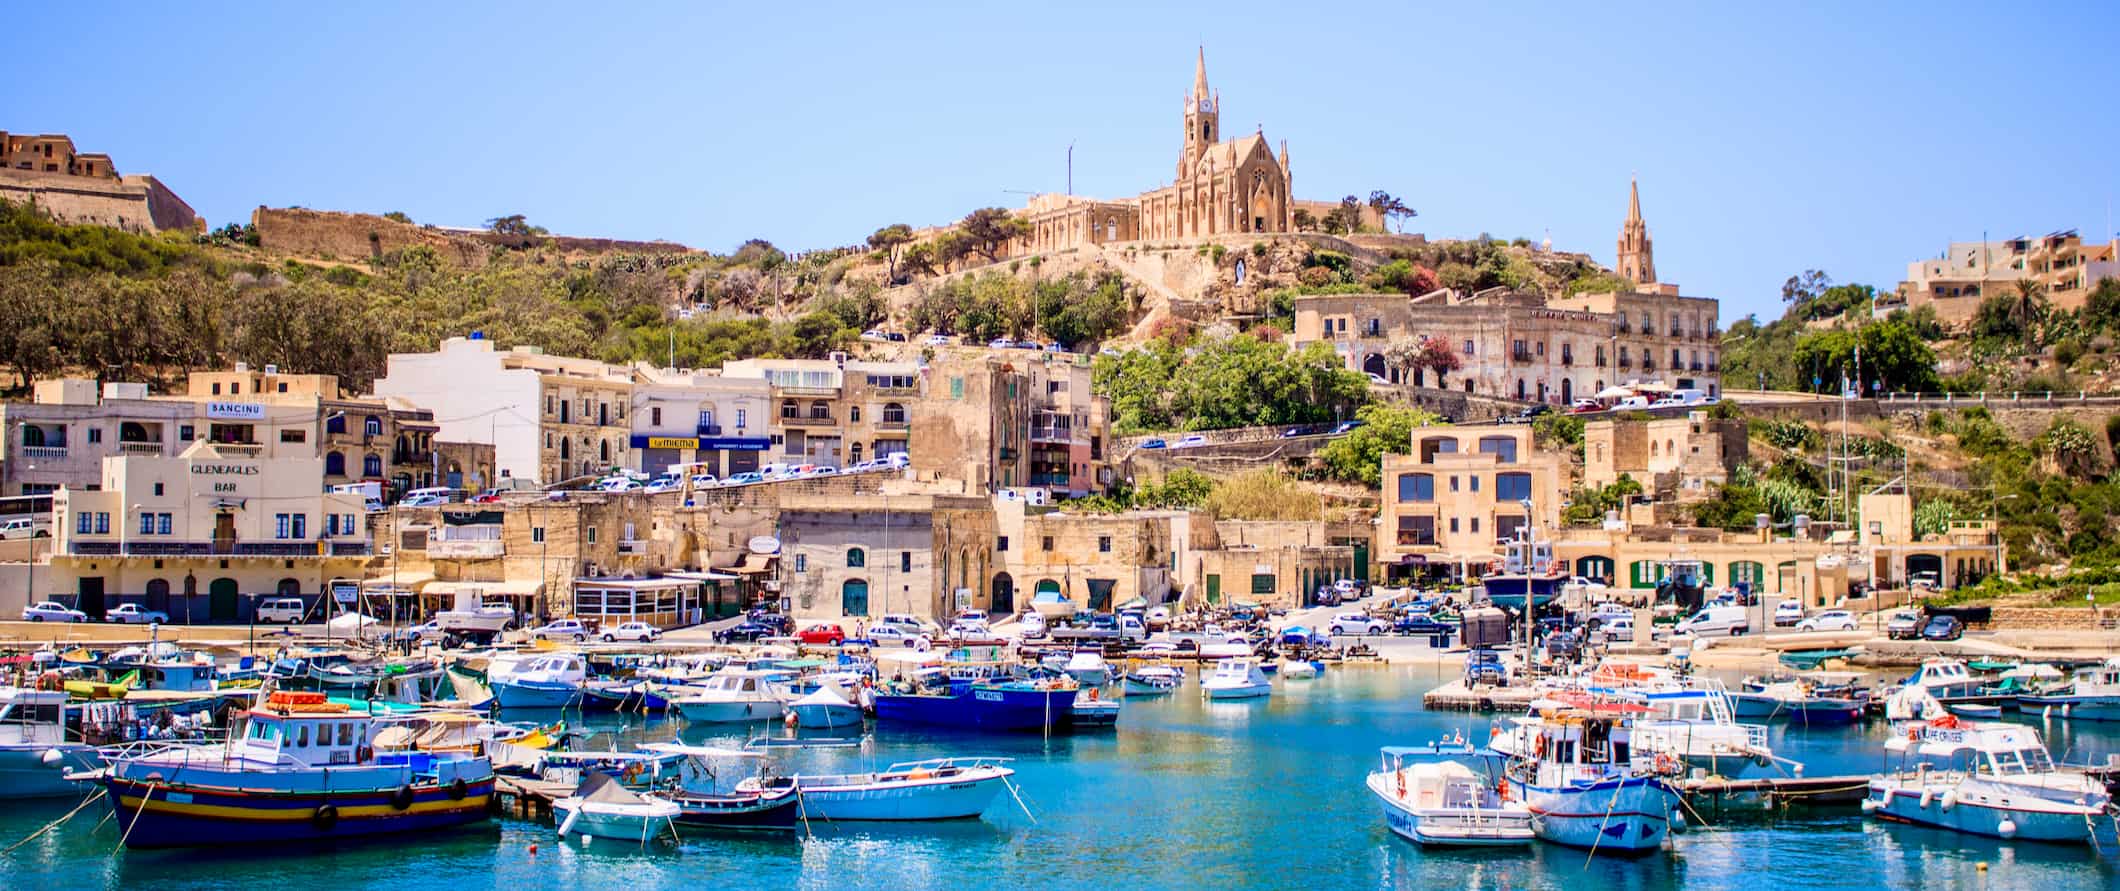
(1374, 364)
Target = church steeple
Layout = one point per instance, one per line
(1637, 258)
(1203, 119)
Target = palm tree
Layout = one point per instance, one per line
(2027, 307)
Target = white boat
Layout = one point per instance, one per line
(603, 808)
(552, 680)
(1994, 780)
(1088, 668)
(1445, 802)
(1154, 680)
(935, 789)
(2092, 694)
(1093, 711)
(1236, 679)
(35, 755)
(1946, 678)
(1587, 786)
(1299, 669)
(827, 706)
(731, 696)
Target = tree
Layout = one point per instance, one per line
(1404, 354)
(1304, 220)
(888, 239)
(2101, 308)
(1358, 456)
(513, 225)
(1804, 287)
(1264, 494)
(2027, 305)
(920, 258)
(990, 229)
(1347, 218)
(1894, 358)
(1403, 275)
(1439, 358)
(2071, 447)
(1389, 208)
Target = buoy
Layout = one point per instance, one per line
(533, 849)
(1980, 866)
(1678, 821)
(51, 758)
(2006, 829)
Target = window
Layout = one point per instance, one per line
(372, 466)
(95, 434)
(1001, 544)
(102, 523)
(1453, 483)
(1512, 486)
(161, 524)
(147, 524)
(802, 563)
(592, 535)
(279, 525)
(788, 409)
(1475, 482)
(905, 561)
(301, 526)
(287, 435)
(85, 523)
(1453, 524)
(186, 433)
(1047, 542)
(537, 534)
(373, 426)
(655, 416)
(856, 559)
(346, 523)
(217, 389)
(854, 414)
(1104, 544)
(331, 524)
(158, 490)
(956, 388)
(1416, 487)
(1468, 348)
(740, 418)
(1503, 448)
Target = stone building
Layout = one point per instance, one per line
(835, 412)
(1275, 563)
(1673, 458)
(720, 425)
(363, 439)
(1461, 493)
(61, 437)
(1965, 552)
(1635, 259)
(548, 418)
(1028, 421)
(85, 187)
(1096, 561)
(1966, 273)
(204, 534)
(848, 558)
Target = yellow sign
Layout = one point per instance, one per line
(673, 442)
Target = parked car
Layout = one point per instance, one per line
(1609, 611)
(1056, 347)
(823, 634)
(874, 335)
(1787, 613)
(894, 337)
(744, 479)
(936, 340)
(429, 630)
(52, 611)
(1829, 620)
(1157, 618)
(1564, 646)
(1154, 444)
(970, 629)
(639, 632)
(1421, 623)
(663, 484)
(1529, 413)
(1618, 629)
(1904, 625)
(135, 614)
(490, 496)
(283, 610)
(1000, 343)
(1357, 623)
(898, 636)
(1926, 581)
(1585, 406)
(1379, 380)
(1730, 620)
(1943, 628)
(561, 629)
(1345, 427)
(745, 631)
(1190, 442)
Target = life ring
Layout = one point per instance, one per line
(459, 789)
(1539, 744)
(1401, 774)
(1093, 694)
(325, 817)
(363, 754)
(1913, 734)
(402, 798)
(631, 773)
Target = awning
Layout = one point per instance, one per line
(702, 576)
(750, 564)
(611, 584)
(510, 588)
(407, 584)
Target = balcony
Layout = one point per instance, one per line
(1521, 357)
(467, 543)
(1712, 366)
(1624, 328)
(632, 547)
(45, 453)
(707, 430)
(886, 422)
(1696, 366)
(158, 548)
(809, 420)
(1648, 364)
(1567, 360)
(1625, 362)
(140, 448)
(1050, 479)
(1005, 453)
(1714, 335)
(1416, 538)
(1052, 434)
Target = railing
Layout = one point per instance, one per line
(1714, 367)
(1049, 479)
(151, 548)
(893, 424)
(44, 452)
(1625, 362)
(808, 421)
(468, 533)
(1520, 356)
(632, 546)
(140, 448)
(1567, 359)
(1052, 434)
(707, 430)
(1648, 364)
(1413, 538)
(1697, 366)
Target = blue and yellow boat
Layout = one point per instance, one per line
(302, 768)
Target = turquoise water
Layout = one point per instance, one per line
(1186, 794)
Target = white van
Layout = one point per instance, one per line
(1730, 620)
(428, 497)
(284, 610)
(1631, 402)
(1685, 396)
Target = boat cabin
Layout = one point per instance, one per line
(32, 717)
(2001, 750)
(307, 729)
(1582, 744)
(2097, 680)
(1943, 674)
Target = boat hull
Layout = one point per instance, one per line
(994, 710)
(159, 815)
(954, 799)
(1136, 687)
(778, 812)
(1618, 816)
(23, 773)
(627, 822)
(1243, 691)
(1898, 804)
(2074, 708)
(1451, 827)
(820, 716)
(1805, 713)
(532, 694)
(728, 711)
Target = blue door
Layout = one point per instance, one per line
(854, 598)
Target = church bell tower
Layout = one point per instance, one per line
(1203, 120)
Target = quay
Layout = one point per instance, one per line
(527, 799)
(1456, 696)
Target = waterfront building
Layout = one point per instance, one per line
(1014, 422)
(1968, 272)
(548, 418)
(62, 436)
(1461, 493)
(720, 424)
(363, 439)
(1675, 458)
(204, 533)
(1279, 564)
(835, 412)
(1963, 553)
(849, 557)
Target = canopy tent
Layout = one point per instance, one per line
(1613, 393)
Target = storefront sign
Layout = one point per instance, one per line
(245, 411)
(219, 478)
(673, 442)
(345, 592)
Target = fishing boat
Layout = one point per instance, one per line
(1945, 679)
(1588, 786)
(1236, 679)
(1088, 668)
(2092, 694)
(1529, 573)
(934, 698)
(1444, 802)
(601, 807)
(299, 768)
(1153, 680)
(1971, 710)
(1797, 702)
(553, 680)
(826, 707)
(1985, 779)
(707, 797)
(934, 789)
(1093, 712)
(35, 753)
(1805, 660)
(732, 696)
(1301, 669)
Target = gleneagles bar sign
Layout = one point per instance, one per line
(222, 478)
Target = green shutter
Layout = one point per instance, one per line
(1214, 588)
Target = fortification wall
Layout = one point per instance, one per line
(135, 204)
(337, 235)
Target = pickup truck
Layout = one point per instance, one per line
(1127, 628)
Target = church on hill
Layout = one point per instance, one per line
(1223, 186)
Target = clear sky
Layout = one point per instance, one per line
(1769, 138)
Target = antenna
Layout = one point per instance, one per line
(1071, 167)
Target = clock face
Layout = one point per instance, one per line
(1205, 105)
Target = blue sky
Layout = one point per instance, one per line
(1769, 138)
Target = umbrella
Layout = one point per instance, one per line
(1614, 393)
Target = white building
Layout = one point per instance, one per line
(549, 418)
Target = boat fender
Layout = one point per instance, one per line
(1760, 760)
(1949, 799)
(402, 798)
(1927, 795)
(1871, 804)
(51, 757)
(459, 789)
(1538, 744)
(1677, 821)
(2007, 828)
(325, 818)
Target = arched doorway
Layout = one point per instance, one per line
(1596, 567)
(288, 588)
(221, 600)
(854, 597)
(158, 595)
(1567, 391)
(1374, 364)
(1001, 598)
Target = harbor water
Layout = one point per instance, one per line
(1185, 794)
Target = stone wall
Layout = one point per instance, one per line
(135, 203)
(334, 235)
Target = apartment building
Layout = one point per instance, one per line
(1014, 422)
(833, 411)
(720, 424)
(548, 418)
(60, 438)
(1969, 272)
(1672, 458)
(1462, 492)
(363, 439)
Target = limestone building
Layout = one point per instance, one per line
(1635, 260)
(85, 187)
(1676, 458)
(1461, 493)
(1969, 272)
(548, 418)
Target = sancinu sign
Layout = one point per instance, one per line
(250, 411)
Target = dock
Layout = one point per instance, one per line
(528, 799)
(1456, 696)
(1711, 796)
